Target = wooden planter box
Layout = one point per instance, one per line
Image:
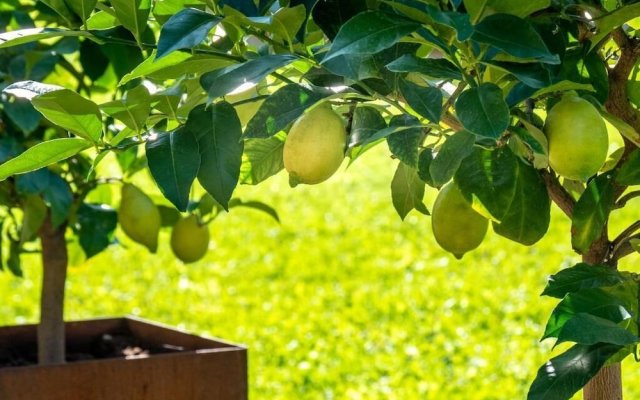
(202, 369)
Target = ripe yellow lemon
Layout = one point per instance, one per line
(189, 239)
(578, 139)
(139, 217)
(456, 226)
(314, 148)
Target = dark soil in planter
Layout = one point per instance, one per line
(108, 345)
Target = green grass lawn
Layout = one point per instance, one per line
(342, 300)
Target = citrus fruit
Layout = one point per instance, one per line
(139, 218)
(189, 239)
(578, 139)
(314, 148)
(456, 226)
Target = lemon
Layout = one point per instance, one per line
(139, 218)
(456, 226)
(189, 239)
(314, 148)
(578, 138)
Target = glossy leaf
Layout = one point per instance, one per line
(72, 112)
(527, 219)
(42, 155)
(515, 36)
(629, 172)
(262, 159)
(479, 8)
(581, 276)
(483, 111)
(366, 122)
(331, 15)
(30, 89)
(225, 80)
(132, 109)
(368, 33)
(407, 191)
(404, 144)
(95, 226)
(588, 329)
(434, 68)
(280, 109)
(449, 157)
(58, 197)
(185, 30)
(82, 8)
(562, 376)
(133, 15)
(489, 177)
(22, 36)
(174, 65)
(426, 101)
(256, 205)
(174, 161)
(591, 212)
(218, 131)
(614, 303)
(616, 18)
(34, 213)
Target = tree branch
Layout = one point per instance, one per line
(558, 194)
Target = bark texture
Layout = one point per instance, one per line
(51, 337)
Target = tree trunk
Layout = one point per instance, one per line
(607, 384)
(51, 338)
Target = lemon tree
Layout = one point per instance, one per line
(506, 100)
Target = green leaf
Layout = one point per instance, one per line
(174, 161)
(480, 8)
(185, 30)
(256, 205)
(60, 7)
(591, 212)
(280, 109)
(629, 172)
(611, 21)
(588, 329)
(407, 191)
(581, 276)
(424, 164)
(34, 213)
(72, 112)
(102, 20)
(625, 129)
(368, 33)
(42, 155)
(515, 36)
(483, 111)
(132, 109)
(219, 132)
(365, 123)
(30, 89)
(262, 159)
(13, 261)
(404, 144)
(58, 197)
(448, 159)
(562, 376)
(133, 15)
(534, 75)
(563, 86)
(95, 226)
(175, 65)
(22, 36)
(614, 303)
(489, 178)
(433, 68)
(426, 101)
(225, 80)
(527, 219)
(82, 8)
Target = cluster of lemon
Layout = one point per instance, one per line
(140, 219)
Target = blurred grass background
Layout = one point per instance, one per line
(342, 300)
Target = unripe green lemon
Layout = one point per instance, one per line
(189, 239)
(139, 217)
(456, 226)
(315, 145)
(578, 139)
